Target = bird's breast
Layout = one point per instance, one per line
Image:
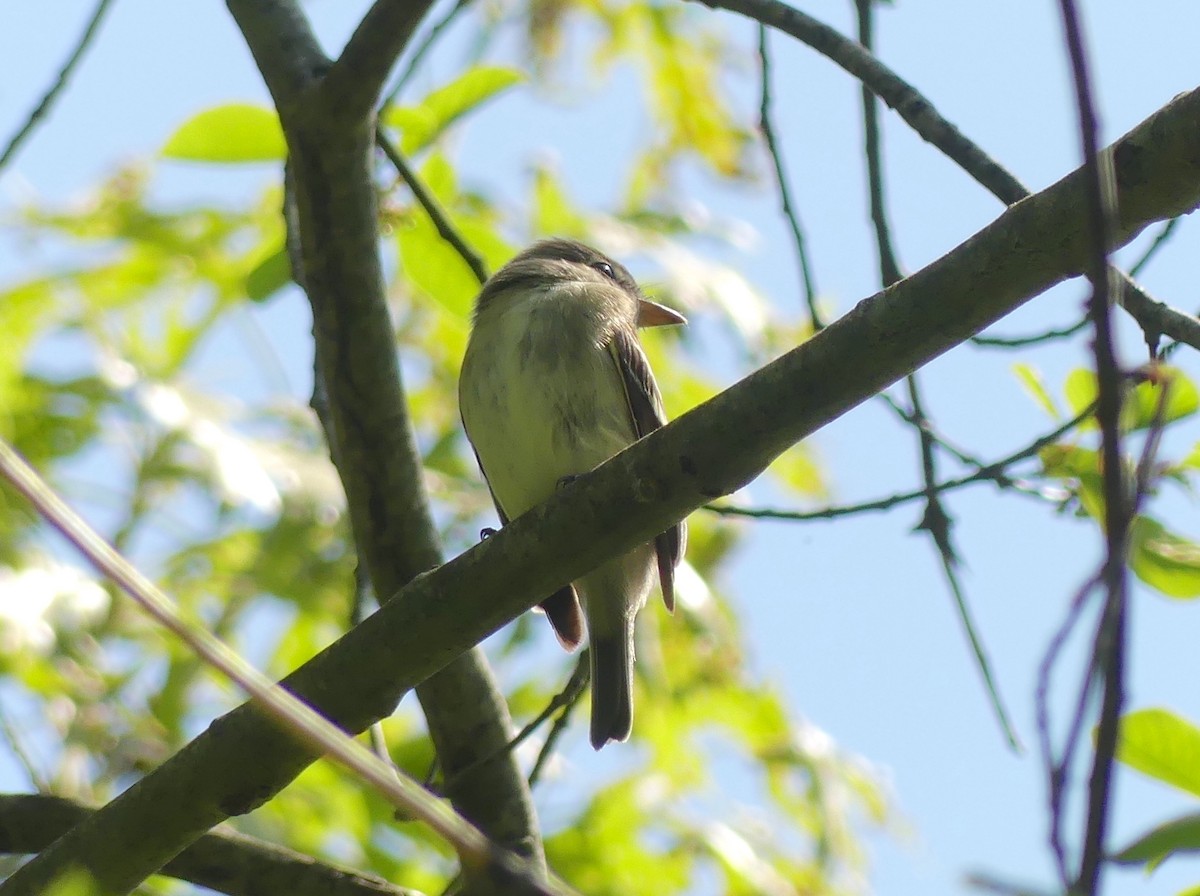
(541, 399)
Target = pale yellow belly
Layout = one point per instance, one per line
(536, 414)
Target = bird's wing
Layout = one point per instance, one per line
(646, 412)
(562, 607)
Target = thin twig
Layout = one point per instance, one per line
(960, 454)
(563, 699)
(561, 723)
(1144, 473)
(1056, 768)
(439, 217)
(785, 193)
(889, 267)
(1059, 768)
(1109, 651)
(1160, 240)
(1034, 339)
(60, 82)
(996, 472)
(936, 521)
(991, 884)
(923, 117)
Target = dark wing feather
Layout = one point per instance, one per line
(646, 410)
(562, 607)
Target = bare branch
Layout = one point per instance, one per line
(1160, 240)
(1108, 661)
(996, 472)
(569, 698)
(785, 191)
(42, 109)
(920, 114)
(225, 861)
(936, 521)
(1036, 339)
(566, 697)
(441, 220)
(353, 85)
(284, 48)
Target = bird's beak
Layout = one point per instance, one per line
(652, 314)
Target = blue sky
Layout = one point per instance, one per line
(852, 619)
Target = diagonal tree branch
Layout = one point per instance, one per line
(713, 450)
(1155, 318)
(224, 861)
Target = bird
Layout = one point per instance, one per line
(554, 382)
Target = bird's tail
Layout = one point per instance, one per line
(612, 688)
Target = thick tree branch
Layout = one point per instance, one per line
(354, 84)
(371, 436)
(1154, 317)
(711, 451)
(283, 45)
(224, 861)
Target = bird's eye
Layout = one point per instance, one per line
(606, 269)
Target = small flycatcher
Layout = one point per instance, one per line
(554, 383)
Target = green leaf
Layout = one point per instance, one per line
(1080, 466)
(1193, 458)
(1163, 560)
(1080, 389)
(1141, 405)
(268, 276)
(1162, 745)
(1181, 835)
(233, 133)
(553, 211)
(800, 471)
(1031, 379)
(420, 125)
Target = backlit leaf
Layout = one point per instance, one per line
(1162, 745)
(1163, 560)
(1181, 835)
(233, 133)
